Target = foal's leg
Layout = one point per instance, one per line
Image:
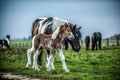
(35, 64)
(52, 64)
(51, 60)
(47, 56)
(61, 55)
(29, 52)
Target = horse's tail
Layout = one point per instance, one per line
(35, 26)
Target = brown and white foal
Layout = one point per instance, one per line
(53, 44)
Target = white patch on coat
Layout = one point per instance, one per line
(40, 26)
(55, 33)
(62, 57)
(35, 64)
(57, 23)
(7, 40)
(49, 64)
(44, 26)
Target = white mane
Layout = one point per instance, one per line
(57, 23)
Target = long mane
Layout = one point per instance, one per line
(58, 22)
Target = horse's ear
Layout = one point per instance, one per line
(66, 25)
(79, 27)
(74, 27)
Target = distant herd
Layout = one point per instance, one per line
(95, 39)
(51, 35)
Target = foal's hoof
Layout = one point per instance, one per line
(37, 69)
(53, 68)
(33, 67)
(28, 65)
(67, 70)
(48, 69)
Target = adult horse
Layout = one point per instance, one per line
(49, 25)
(96, 40)
(5, 42)
(87, 42)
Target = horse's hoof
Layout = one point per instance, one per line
(53, 68)
(48, 69)
(67, 70)
(28, 65)
(37, 69)
(33, 67)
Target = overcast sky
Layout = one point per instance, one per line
(17, 16)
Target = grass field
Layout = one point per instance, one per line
(84, 65)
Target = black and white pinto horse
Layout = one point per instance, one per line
(96, 40)
(5, 42)
(87, 42)
(49, 25)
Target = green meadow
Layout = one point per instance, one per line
(84, 65)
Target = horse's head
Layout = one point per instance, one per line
(67, 31)
(8, 36)
(75, 43)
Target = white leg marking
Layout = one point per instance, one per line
(29, 52)
(52, 64)
(35, 65)
(49, 62)
(47, 58)
(61, 55)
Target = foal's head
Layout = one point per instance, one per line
(66, 30)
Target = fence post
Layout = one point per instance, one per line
(117, 40)
(107, 42)
(19, 45)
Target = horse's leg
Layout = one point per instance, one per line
(61, 55)
(35, 64)
(47, 57)
(39, 60)
(29, 52)
(86, 45)
(100, 44)
(51, 60)
(52, 64)
(96, 45)
(66, 44)
(93, 45)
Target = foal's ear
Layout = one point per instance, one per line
(66, 25)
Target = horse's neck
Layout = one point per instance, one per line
(58, 39)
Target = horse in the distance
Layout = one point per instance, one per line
(87, 42)
(96, 40)
(51, 43)
(5, 42)
(49, 25)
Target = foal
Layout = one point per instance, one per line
(51, 43)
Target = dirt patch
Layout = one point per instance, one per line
(9, 76)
